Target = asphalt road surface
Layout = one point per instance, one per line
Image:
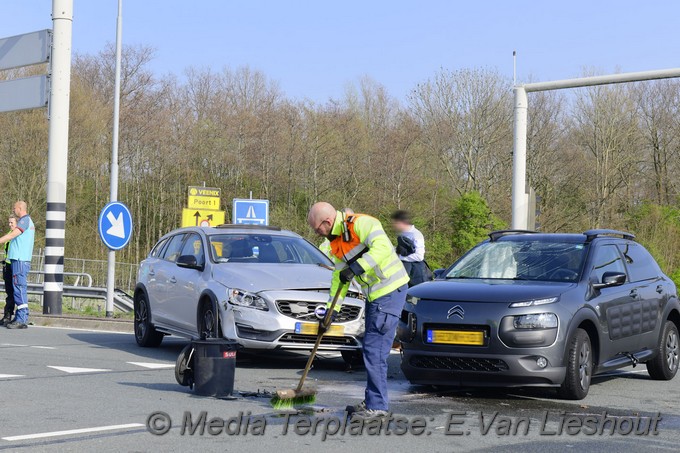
(74, 390)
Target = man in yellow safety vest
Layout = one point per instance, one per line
(362, 251)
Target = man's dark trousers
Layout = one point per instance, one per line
(382, 317)
(9, 290)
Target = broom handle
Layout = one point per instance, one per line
(318, 339)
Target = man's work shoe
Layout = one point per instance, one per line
(355, 408)
(17, 325)
(6, 320)
(368, 414)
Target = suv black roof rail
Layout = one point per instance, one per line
(235, 226)
(495, 235)
(592, 234)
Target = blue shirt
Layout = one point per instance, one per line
(21, 247)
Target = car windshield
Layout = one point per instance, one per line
(522, 260)
(264, 248)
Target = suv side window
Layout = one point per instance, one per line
(607, 259)
(171, 252)
(156, 251)
(194, 246)
(641, 265)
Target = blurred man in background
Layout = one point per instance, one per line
(411, 248)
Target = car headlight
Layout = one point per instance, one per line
(535, 302)
(412, 300)
(535, 321)
(246, 299)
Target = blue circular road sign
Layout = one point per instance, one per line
(115, 225)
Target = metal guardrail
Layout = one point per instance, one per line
(121, 300)
(88, 283)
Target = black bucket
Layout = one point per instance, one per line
(214, 364)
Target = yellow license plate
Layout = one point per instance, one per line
(308, 328)
(463, 337)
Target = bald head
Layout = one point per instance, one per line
(321, 218)
(20, 208)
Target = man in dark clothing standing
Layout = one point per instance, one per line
(411, 248)
(7, 278)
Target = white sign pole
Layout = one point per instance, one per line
(57, 155)
(519, 195)
(519, 161)
(111, 268)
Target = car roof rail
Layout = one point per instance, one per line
(235, 226)
(596, 233)
(495, 235)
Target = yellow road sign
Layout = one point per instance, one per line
(206, 198)
(202, 217)
(206, 203)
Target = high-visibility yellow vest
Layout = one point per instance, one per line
(370, 247)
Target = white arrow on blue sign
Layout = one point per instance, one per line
(115, 225)
(251, 212)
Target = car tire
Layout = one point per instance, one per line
(145, 333)
(353, 358)
(207, 321)
(664, 366)
(184, 373)
(579, 367)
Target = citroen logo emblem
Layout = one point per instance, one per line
(456, 310)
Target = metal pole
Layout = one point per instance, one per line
(624, 77)
(111, 269)
(519, 161)
(57, 155)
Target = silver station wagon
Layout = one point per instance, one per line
(268, 284)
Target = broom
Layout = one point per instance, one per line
(290, 398)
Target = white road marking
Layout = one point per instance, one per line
(153, 366)
(73, 431)
(72, 370)
(7, 376)
(82, 330)
(12, 345)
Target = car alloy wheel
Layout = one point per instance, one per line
(672, 350)
(664, 365)
(141, 320)
(145, 333)
(209, 328)
(584, 366)
(579, 369)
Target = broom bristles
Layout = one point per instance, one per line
(290, 403)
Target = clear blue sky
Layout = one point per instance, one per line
(315, 48)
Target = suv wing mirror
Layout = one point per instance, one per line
(189, 262)
(610, 279)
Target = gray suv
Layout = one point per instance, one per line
(268, 284)
(550, 310)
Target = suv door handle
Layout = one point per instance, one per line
(172, 280)
(151, 272)
(659, 289)
(633, 293)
